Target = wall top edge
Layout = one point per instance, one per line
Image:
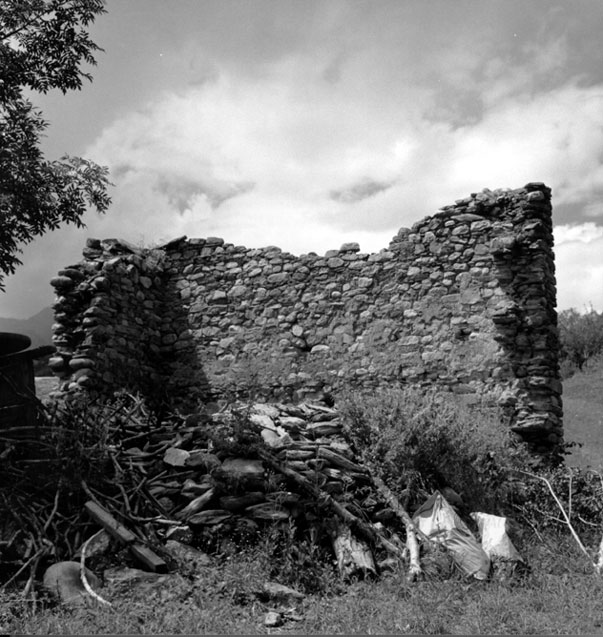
(478, 204)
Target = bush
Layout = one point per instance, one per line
(580, 492)
(421, 440)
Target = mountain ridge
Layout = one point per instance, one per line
(38, 327)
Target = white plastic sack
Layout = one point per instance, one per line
(495, 541)
(440, 523)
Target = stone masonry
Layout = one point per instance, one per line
(465, 300)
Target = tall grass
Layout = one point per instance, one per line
(560, 595)
(421, 440)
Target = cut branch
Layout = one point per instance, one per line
(565, 516)
(414, 569)
(83, 577)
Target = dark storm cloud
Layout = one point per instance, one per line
(362, 190)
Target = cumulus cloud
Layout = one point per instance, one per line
(290, 159)
(579, 266)
(343, 121)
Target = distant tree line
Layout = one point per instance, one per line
(581, 339)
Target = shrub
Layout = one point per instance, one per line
(421, 440)
(580, 492)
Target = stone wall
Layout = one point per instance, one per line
(108, 319)
(464, 299)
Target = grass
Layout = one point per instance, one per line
(560, 596)
(583, 415)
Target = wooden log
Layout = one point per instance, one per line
(194, 506)
(414, 568)
(148, 558)
(117, 530)
(353, 556)
(323, 498)
(340, 461)
(109, 523)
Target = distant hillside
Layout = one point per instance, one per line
(37, 327)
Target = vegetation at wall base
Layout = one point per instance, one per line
(417, 442)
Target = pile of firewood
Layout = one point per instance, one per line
(203, 478)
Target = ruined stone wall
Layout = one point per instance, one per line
(108, 319)
(465, 299)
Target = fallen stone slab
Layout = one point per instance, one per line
(267, 511)
(241, 468)
(64, 582)
(276, 592)
(210, 517)
(175, 457)
(187, 557)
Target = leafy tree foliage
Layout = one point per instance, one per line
(581, 336)
(43, 44)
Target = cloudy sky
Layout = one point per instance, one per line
(309, 123)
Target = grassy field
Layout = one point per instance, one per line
(583, 416)
(559, 593)
(560, 596)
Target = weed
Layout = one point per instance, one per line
(421, 440)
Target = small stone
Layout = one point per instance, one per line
(217, 297)
(81, 363)
(62, 282)
(279, 592)
(335, 262)
(273, 619)
(207, 461)
(237, 291)
(187, 556)
(278, 278)
(242, 467)
(56, 362)
(176, 457)
(210, 517)
(266, 409)
(535, 195)
(262, 420)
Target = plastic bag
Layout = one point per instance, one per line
(495, 541)
(497, 544)
(440, 523)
